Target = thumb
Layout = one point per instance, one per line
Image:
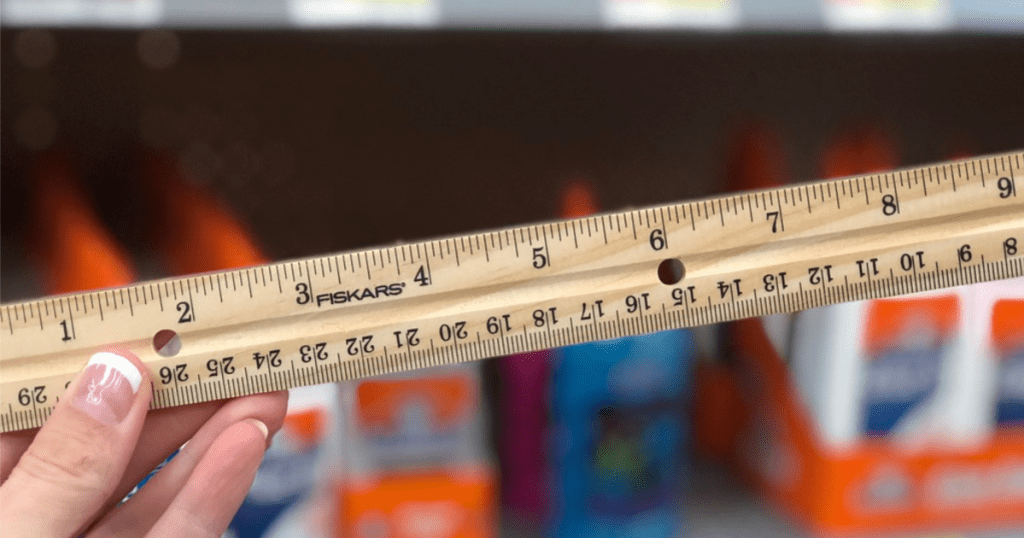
(77, 458)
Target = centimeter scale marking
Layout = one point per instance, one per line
(360, 314)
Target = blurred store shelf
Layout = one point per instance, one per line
(703, 15)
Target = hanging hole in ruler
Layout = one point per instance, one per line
(671, 271)
(166, 343)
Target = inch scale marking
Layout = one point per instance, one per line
(548, 285)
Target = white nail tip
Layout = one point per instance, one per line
(122, 365)
(262, 427)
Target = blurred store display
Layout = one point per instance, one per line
(692, 14)
(863, 418)
(341, 13)
(887, 419)
(95, 13)
(888, 15)
(659, 15)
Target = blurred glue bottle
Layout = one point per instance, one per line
(618, 446)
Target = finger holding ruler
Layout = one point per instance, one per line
(513, 290)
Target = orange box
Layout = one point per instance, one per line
(871, 487)
(74, 249)
(440, 504)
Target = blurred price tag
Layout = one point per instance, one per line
(137, 13)
(887, 15)
(699, 14)
(400, 13)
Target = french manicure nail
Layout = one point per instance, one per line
(108, 387)
(260, 426)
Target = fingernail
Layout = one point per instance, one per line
(108, 387)
(260, 425)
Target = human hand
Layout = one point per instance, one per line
(66, 478)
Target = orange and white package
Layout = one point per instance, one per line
(887, 414)
(416, 462)
(292, 494)
(453, 503)
(882, 368)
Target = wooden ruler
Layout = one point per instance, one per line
(359, 314)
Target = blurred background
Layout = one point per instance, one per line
(149, 138)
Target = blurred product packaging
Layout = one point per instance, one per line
(889, 413)
(873, 368)
(884, 368)
(524, 418)
(291, 496)
(618, 451)
(525, 424)
(416, 455)
(73, 249)
(192, 230)
(1001, 320)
